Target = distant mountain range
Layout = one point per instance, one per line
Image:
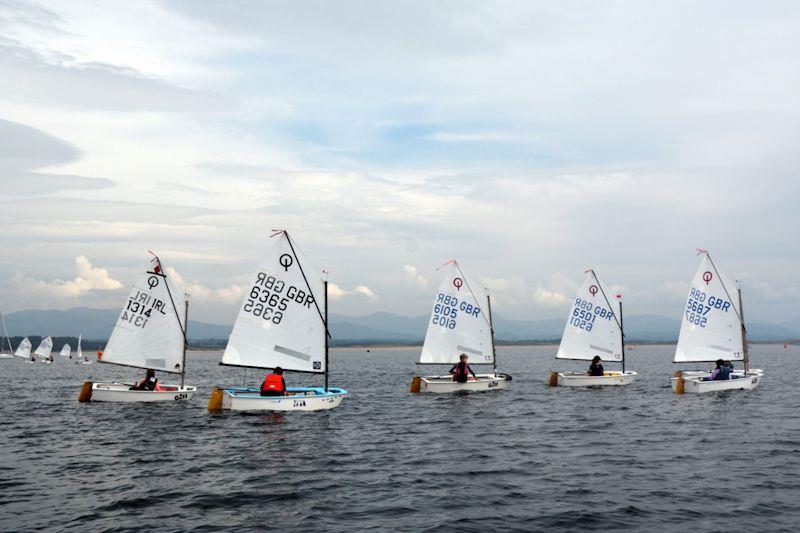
(376, 328)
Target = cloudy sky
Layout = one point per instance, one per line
(529, 140)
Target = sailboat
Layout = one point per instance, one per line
(594, 328)
(5, 339)
(283, 322)
(713, 328)
(459, 324)
(44, 350)
(150, 333)
(79, 357)
(66, 350)
(24, 349)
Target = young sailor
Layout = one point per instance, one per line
(149, 383)
(274, 385)
(596, 368)
(462, 370)
(722, 372)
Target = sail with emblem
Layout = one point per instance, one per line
(459, 321)
(24, 349)
(45, 347)
(282, 321)
(711, 327)
(149, 332)
(80, 350)
(66, 350)
(593, 327)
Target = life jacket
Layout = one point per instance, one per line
(724, 373)
(148, 384)
(462, 368)
(273, 383)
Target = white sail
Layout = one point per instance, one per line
(6, 338)
(280, 323)
(592, 324)
(459, 322)
(149, 330)
(711, 328)
(66, 350)
(80, 351)
(45, 347)
(24, 348)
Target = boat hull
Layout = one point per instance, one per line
(120, 392)
(300, 399)
(6, 356)
(446, 385)
(693, 382)
(578, 379)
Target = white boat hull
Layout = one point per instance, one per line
(6, 356)
(120, 392)
(446, 385)
(581, 379)
(299, 399)
(693, 381)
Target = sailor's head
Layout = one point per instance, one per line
(719, 363)
(151, 373)
(596, 359)
(464, 357)
(277, 370)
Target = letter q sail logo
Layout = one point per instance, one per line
(285, 261)
(593, 290)
(707, 277)
(458, 283)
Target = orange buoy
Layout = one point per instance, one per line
(99, 354)
(679, 386)
(415, 384)
(86, 392)
(553, 380)
(215, 400)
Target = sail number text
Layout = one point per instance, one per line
(269, 298)
(699, 305)
(585, 313)
(446, 308)
(140, 308)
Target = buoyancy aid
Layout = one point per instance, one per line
(273, 383)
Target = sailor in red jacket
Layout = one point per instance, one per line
(274, 385)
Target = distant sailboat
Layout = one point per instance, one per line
(282, 323)
(66, 350)
(460, 323)
(79, 358)
(150, 333)
(24, 349)
(44, 350)
(713, 328)
(5, 353)
(594, 328)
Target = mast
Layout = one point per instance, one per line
(5, 332)
(326, 334)
(621, 332)
(491, 330)
(745, 351)
(185, 337)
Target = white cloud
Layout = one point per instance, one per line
(89, 279)
(413, 278)
(335, 292)
(201, 293)
(548, 298)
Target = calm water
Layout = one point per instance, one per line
(527, 458)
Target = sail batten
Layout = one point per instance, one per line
(459, 322)
(592, 328)
(149, 332)
(711, 327)
(280, 321)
